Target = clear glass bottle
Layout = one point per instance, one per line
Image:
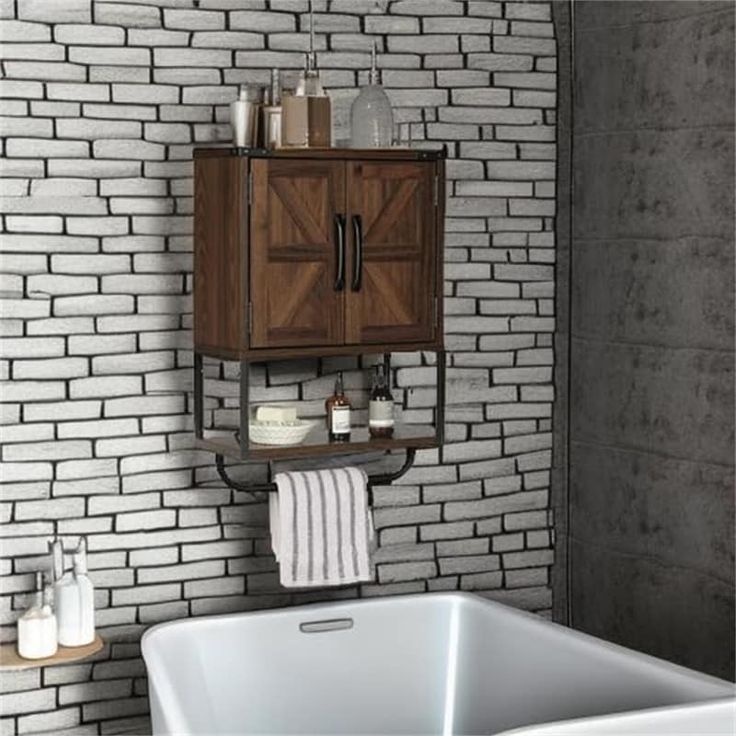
(371, 117)
(271, 114)
(310, 83)
(338, 413)
(380, 406)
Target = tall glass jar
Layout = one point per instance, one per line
(371, 117)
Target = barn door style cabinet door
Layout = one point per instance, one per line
(317, 253)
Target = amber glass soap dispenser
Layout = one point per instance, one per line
(338, 413)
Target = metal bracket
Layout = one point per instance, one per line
(384, 479)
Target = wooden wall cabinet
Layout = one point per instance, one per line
(317, 253)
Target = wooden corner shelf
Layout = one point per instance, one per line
(11, 660)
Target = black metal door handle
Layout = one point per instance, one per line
(358, 261)
(340, 245)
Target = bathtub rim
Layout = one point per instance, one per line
(449, 598)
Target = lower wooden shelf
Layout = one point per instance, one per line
(415, 436)
(11, 660)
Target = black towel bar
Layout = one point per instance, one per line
(382, 479)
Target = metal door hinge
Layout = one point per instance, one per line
(250, 318)
(250, 187)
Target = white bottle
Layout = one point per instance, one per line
(75, 605)
(37, 626)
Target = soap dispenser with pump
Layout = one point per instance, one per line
(307, 114)
(371, 118)
(74, 598)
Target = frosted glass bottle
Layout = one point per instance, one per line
(37, 626)
(75, 608)
(371, 118)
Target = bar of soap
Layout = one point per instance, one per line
(276, 413)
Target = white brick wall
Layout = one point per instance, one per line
(103, 102)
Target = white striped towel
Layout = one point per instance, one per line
(321, 527)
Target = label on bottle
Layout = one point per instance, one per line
(381, 414)
(340, 420)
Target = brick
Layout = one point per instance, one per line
(57, 450)
(50, 722)
(156, 37)
(104, 386)
(123, 446)
(128, 149)
(533, 98)
(476, 325)
(193, 20)
(390, 24)
(513, 63)
(184, 571)
(423, 44)
(74, 469)
(16, 31)
(469, 564)
(456, 530)
(128, 16)
(145, 520)
(145, 93)
(55, 71)
(31, 390)
(34, 51)
(50, 368)
(519, 410)
(30, 701)
(23, 471)
(529, 80)
(20, 147)
(110, 56)
(394, 572)
(89, 691)
(522, 375)
(50, 11)
(58, 508)
(27, 127)
(191, 57)
(497, 486)
(422, 8)
(262, 21)
(98, 428)
(89, 264)
(486, 96)
(523, 28)
(93, 129)
(510, 116)
(475, 450)
(142, 284)
(496, 505)
(17, 88)
(79, 33)
(93, 304)
(101, 344)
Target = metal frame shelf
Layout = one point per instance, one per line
(240, 448)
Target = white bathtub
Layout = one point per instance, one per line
(448, 663)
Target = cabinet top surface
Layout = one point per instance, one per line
(400, 154)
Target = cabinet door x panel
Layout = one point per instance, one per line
(391, 288)
(295, 253)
